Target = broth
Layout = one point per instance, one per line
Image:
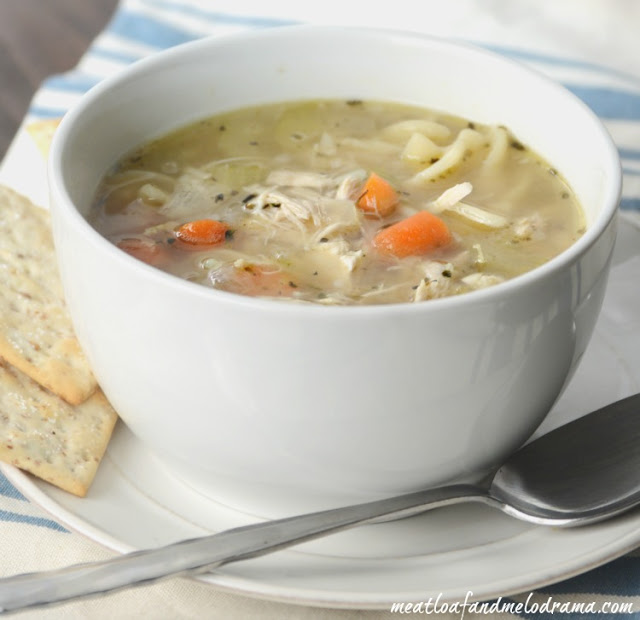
(338, 202)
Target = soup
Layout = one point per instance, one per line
(338, 202)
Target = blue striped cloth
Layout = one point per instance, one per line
(141, 27)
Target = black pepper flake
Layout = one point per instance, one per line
(222, 128)
(219, 197)
(324, 239)
(171, 240)
(293, 284)
(321, 296)
(471, 125)
(446, 273)
(517, 145)
(253, 143)
(354, 102)
(564, 195)
(228, 234)
(315, 273)
(433, 160)
(249, 197)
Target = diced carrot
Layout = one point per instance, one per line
(146, 250)
(202, 232)
(260, 280)
(377, 197)
(418, 234)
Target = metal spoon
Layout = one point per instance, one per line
(585, 471)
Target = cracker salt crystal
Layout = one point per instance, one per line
(44, 435)
(36, 334)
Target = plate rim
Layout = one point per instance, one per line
(576, 565)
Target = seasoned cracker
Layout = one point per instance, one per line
(42, 133)
(42, 434)
(36, 334)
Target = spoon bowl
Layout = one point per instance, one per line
(580, 473)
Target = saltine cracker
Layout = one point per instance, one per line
(41, 132)
(44, 435)
(36, 334)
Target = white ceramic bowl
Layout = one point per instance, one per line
(274, 407)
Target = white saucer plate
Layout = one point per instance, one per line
(452, 553)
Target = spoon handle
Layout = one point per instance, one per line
(205, 553)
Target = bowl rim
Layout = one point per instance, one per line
(61, 200)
